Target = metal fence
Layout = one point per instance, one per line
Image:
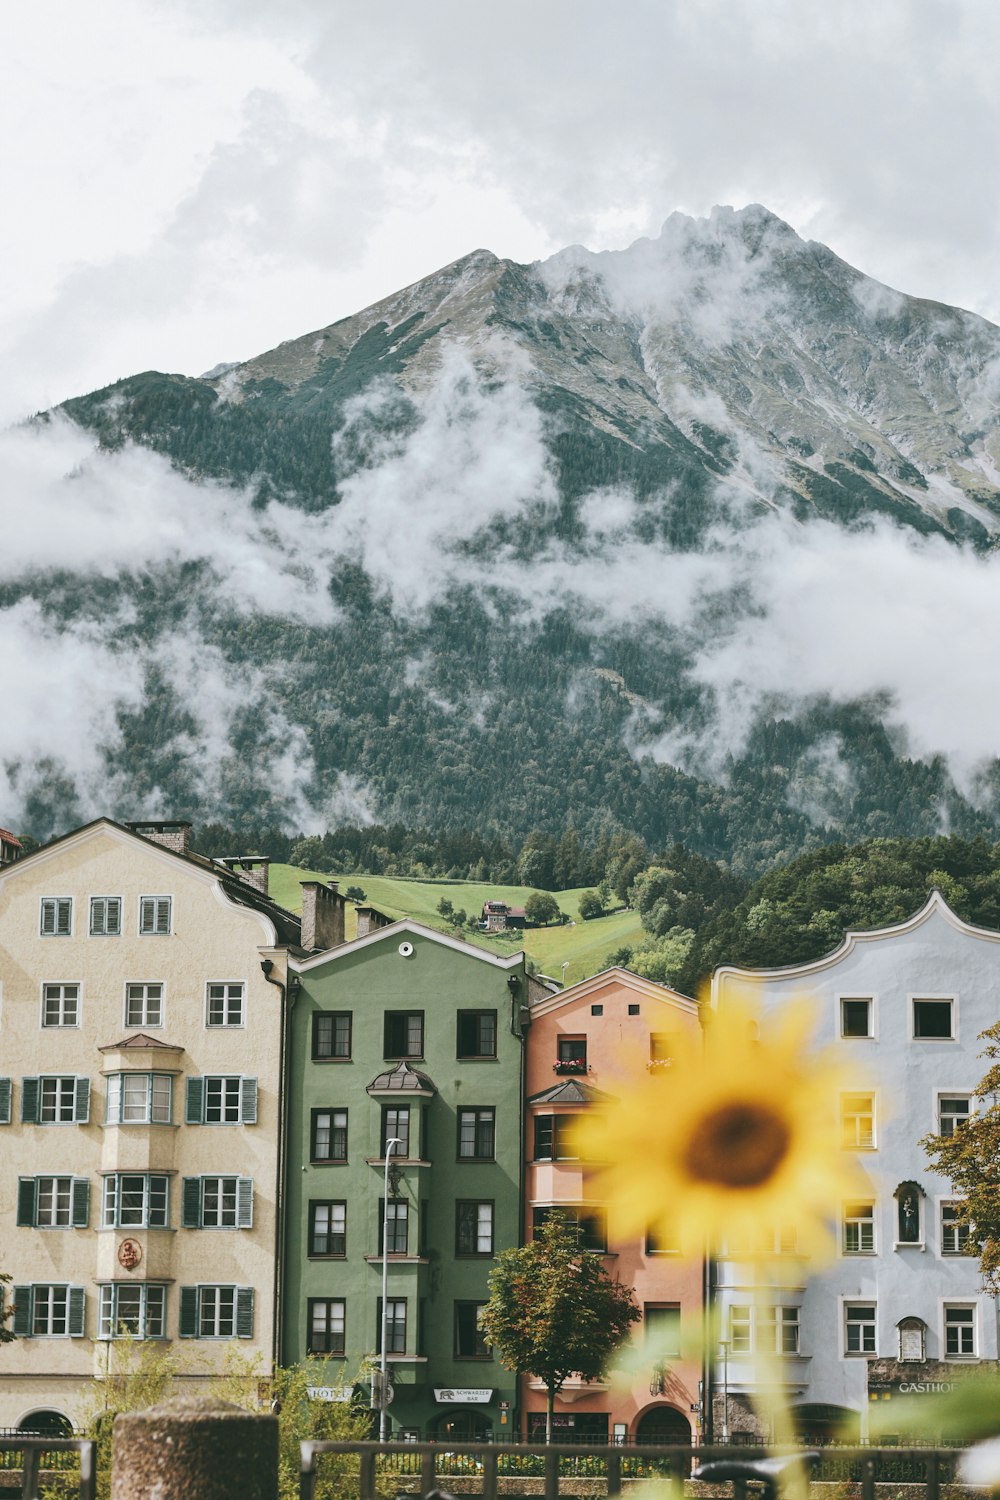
(39, 1458)
(422, 1468)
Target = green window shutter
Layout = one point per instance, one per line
(26, 1190)
(191, 1203)
(82, 1105)
(22, 1312)
(244, 1312)
(244, 1203)
(77, 1309)
(188, 1326)
(81, 1202)
(29, 1101)
(5, 1092)
(248, 1101)
(194, 1109)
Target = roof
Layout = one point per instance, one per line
(648, 988)
(572, 1091)
(287, 925)
(400, 929)
(144, 1041)
(9, 838)
(402, 1078)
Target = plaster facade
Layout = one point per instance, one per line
(904, 1006)
(406, 1034)
(588, 1043)
(133, 1003)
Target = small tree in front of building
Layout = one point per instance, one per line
(554, 1311)
(6, 1308)
(969, 1156)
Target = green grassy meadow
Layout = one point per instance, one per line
(583, 947)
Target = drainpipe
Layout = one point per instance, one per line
(277, 1332)
(523, 1014)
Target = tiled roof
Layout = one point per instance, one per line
(141, 1039)
(570, 1092)
(10, 838)
(402, 1078)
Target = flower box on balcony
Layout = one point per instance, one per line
(570, 1065)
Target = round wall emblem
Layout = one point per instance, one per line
(129, 1254)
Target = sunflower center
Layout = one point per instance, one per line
(738, 1146)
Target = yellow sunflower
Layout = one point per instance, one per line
(736, 1142)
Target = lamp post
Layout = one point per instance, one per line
(724, 1343)
(383, 1416)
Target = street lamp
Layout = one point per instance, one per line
(724, 1344)
(383, 1416)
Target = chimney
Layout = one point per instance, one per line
(370, 918)
(173, 836)
(11, 848)
(322, 915)
(251, 868)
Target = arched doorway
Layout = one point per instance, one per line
(46, 1424)
(818, 1424)
(663, 1424)
(466, 1426)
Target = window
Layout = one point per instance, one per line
(60, 1005)
(221, 1100)
(953, 1112)
(859, 1328)
(224, 1004)
(856, 1016)
(662, 1325)
(954, 1233)
(132, 1310)
(394, 1216)
(859, 1229)
(328, 1135)
(331, 1034)
(55, 1101)
(395, 1326)
(477, 1134)
(634, 1009)
(154, 916)
(477, 1033)
(553, 1137)
(216, 1312)
(960, 1332)
(778, 1239)
(469, 1340)
(396, 1126)
(56, 918)
(326, 1325)
(139, 1098)
(857, 1119)
(740, 1325)
(136, 1200)
(661, 1046)
(49, 1311)
(105, 916)
(473, 1227)
(53, 1202)
(597, 1010)
(328, 1229)
(571, 1054)
(404, 1033)
(144, 1005)
(779, 1330)
(590, 1223)
(933, 1020)
(217, 1203)
(661, 1241)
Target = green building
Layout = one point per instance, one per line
(407, 1035)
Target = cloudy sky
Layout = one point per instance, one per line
(190, 181)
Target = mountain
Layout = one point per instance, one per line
(486, 554)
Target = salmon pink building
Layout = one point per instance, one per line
(587, 1045)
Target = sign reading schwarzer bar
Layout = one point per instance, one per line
(466, 1397)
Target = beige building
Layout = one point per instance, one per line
(142, 991)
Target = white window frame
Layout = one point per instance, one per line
(918, 995)
(939, 1096)
(225, 1000)
(61, 999)
(775, 1320)
(63, 1081)
(103, 903)
(851, 1218)
(112, 1213)
(947, 1230)
(55, 903)
(208, 1295)
(145, 985)
(231, 1083)
(157, 1105)
(61, 1209)
(872, 1034)
(152, 907)
(863, 1324)
(226, 1212)
(52, 1313)
(857, 1115)
(740, 1325)
(972, 1324)
(151, 1320)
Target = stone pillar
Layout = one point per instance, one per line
(195, 1448)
